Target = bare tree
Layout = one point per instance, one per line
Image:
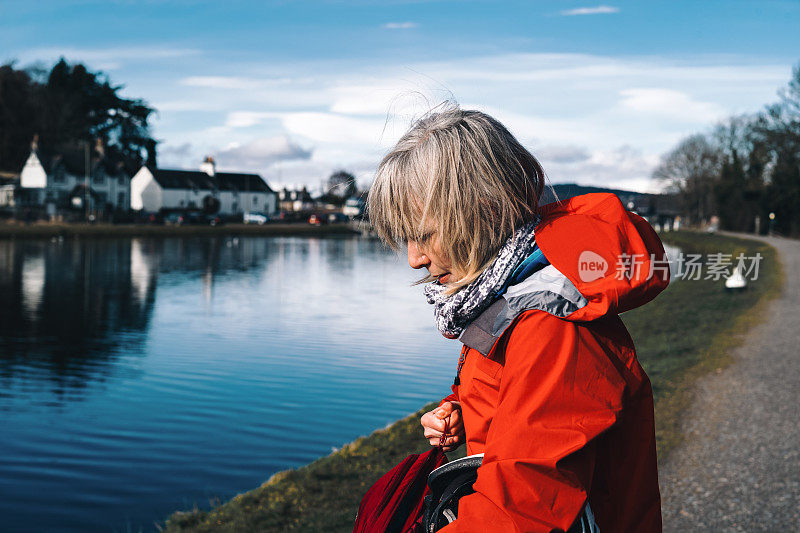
(691, 169)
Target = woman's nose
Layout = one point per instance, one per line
(416, 259)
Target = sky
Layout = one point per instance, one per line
(294, 90)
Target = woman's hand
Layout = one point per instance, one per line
(433, 424)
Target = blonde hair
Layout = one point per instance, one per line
(462, 175)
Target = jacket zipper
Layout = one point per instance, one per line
(461, 359)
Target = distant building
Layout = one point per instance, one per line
(9, 183)
(660, 210)
(354, 207)
(74, 178)
(154, 189)
(295, 200)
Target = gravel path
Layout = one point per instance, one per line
(739, 467)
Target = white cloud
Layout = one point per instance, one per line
(232, 82)
(622, 167)
(245, 119)
(563, 153)
(108, 58)
(574, 111)
(261, 153)
(175, 155)
(400, 25)
(182, 105)
(670, 104)
(335, 128)
(599, 10)
(394, 96)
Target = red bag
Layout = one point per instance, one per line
(396, 502)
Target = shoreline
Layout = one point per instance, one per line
(63, 230)
(675, 343)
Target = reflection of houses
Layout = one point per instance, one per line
(76, 178)
(154, 189)
(70, 308)
(295, 200)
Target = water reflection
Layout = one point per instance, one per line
(63, 308)
(139, 376)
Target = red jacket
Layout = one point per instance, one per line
(550, 388)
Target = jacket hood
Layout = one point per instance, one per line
(613, 257)
(599, 259)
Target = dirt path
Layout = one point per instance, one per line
(739, 467)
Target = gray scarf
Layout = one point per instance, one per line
(455, 312)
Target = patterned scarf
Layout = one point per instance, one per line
(455, 312)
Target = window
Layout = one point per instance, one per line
(98, 177)
(255, 200)
(121, 200)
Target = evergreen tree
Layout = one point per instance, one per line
(66, 107)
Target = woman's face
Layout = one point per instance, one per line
(429, 255)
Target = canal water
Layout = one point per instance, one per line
(143, 376)
(139, 377)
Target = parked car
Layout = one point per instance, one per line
(213, 220)
(337, 218)
(293, 216)
(194, 218)
(317, 220)
(174, 219)
(253, 217)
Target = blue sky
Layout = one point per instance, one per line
(295, 89)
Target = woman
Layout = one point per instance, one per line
(548, 387)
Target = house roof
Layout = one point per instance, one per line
(197, 179)
(74, 162)
(294, 195)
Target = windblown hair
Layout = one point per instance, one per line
(462, 177)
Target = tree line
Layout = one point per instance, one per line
(66, 107)
(746, 170)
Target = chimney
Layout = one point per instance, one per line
(150, 148)
(35, 143)
(209, 166)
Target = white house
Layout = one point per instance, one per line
(295, 199)
(69, 178)
(154, 189)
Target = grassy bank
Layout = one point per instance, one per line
(687, 331)
(690, 329)
(47, 230)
